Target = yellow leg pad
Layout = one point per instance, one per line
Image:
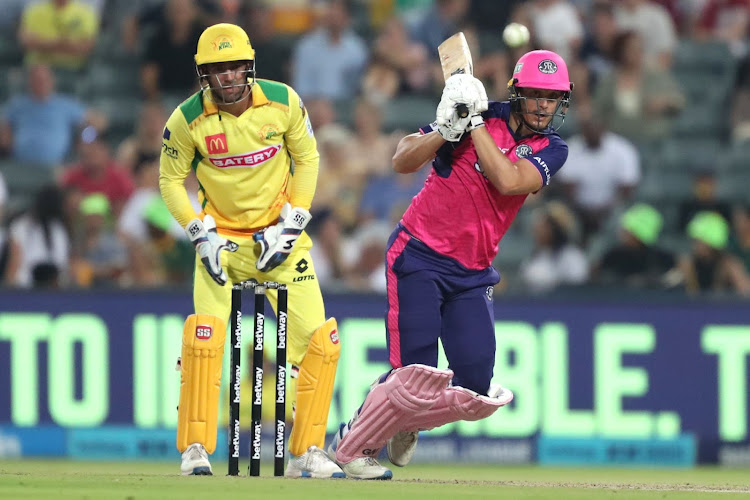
(200, 381)
(315, 389)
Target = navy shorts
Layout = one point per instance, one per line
(433, 297)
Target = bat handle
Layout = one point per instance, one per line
(462, 110)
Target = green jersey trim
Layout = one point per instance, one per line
(274, 91)
(192, 107)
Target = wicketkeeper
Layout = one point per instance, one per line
(251, 145)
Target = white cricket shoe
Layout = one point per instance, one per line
(366, 468)
(313, 463)
(195, 461)
(401, 447)
(359, 468)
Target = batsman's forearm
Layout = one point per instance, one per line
(497, 167)
(415, 150)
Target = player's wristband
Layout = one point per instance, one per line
(475, 122)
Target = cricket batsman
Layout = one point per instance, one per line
(251, 145)
(439, 258)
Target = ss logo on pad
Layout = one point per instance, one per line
(203, 332)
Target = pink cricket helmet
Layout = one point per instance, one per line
(541, 69)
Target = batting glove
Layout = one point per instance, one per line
(276, 242)
(209, 245)
(459, 89)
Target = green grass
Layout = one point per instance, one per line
(63, 480)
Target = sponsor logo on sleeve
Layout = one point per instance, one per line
(252, 159)
(170, 151)
(167, 134)
(309, 126)
(543, 164)
(216, 144)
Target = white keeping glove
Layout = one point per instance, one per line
(459, 89)
(209, 245)
(276, 242)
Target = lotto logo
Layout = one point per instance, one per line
(203, 332)
(335, 336)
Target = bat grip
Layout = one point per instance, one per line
(462, 110)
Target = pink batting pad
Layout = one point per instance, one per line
(406, 391)
(457, 403)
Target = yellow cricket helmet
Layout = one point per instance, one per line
(223, 42)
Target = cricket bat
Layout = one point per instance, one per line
(455, 58)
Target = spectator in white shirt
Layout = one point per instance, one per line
(603, 169)
(654, 25)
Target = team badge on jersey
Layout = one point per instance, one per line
(523, 150)
(216, 144)
(267, 132)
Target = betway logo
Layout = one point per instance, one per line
(236, 439)
(256, 442)
(280, 425)
(247, 160)
(281, 384)
(258, 387)
(238, 332)
(236, 384)
(281, 333)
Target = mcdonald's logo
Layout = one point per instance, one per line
(216, 144)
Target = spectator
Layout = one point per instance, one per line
(598, 45)
(168, 68)
(397, 65)
(59, 33)
(727, 21)
(168, 259)
(329, 61)
(374, 147)
(38, 128)
(326, 232)
(710, 267)
(557, 259)
(557, 27)
(145, 144)
(273, 49)
(3, 233)
(655, 27)
(602, 170)
(97, 172)
(739, 243)
(636, 101)
(386, 197)
(636, 261)
(441, 21)
(341, 182)
(38, 237)
(366, 268)
(704, 198)
(100, 258)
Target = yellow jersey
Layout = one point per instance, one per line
(247, 166)
(75, 21)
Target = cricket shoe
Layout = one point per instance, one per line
(401, 447)
(313, 463)
(195, 461)
(359, 468)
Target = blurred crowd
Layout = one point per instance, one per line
(651, 197)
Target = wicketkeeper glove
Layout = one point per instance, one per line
(276, 242)
(209, 245)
